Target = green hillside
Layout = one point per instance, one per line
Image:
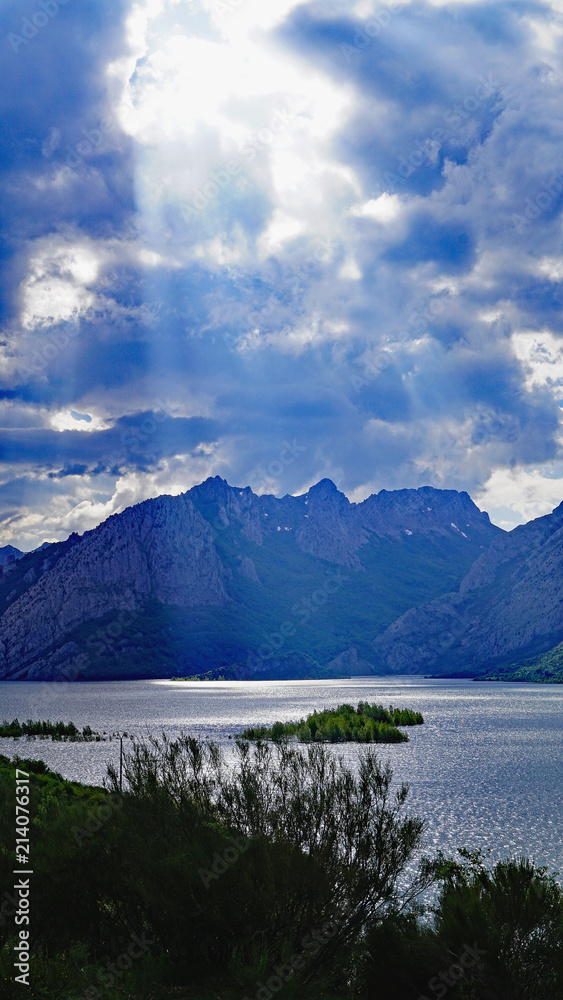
(546, 668)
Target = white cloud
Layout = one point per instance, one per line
(384, 209)
(350, 270)
(513, 497)
(202, 102)
(79, 507)
(200, 86)
(56, 286)
(63, 420)
(542, 354)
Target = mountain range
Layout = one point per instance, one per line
(221, 582)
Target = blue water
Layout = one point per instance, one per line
(485, 770)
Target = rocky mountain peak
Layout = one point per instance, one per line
(324, 486)
(9, 554)
(325, 494)
(508, 605)
(233, 504)
(213, 488)
(425, 511)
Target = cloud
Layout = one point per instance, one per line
(139, 441)
(292, 222)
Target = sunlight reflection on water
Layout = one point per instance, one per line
(486, 769)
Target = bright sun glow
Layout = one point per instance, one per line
(274, 121)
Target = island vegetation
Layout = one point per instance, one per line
(344, 724)
(288, 874)
(64, 731)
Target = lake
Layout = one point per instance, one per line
(485, 770)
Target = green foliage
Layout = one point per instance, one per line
(54, 730)
(515, 914)
(366, 724)
(231, 872)
(397, 958)
(546, 668)
(228, 872)
(497, 934)
(315, 839)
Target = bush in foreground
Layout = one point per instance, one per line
(286, 874)
(273, 863)
(495, 935)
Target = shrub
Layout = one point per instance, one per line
(322, 841)
(496, 935)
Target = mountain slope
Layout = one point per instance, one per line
(9, 554)
(219, 575)
(508, 606)
(545, 668)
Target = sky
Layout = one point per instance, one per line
(277, 242)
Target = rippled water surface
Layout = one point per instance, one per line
(485, 770)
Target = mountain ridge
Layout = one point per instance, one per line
(508, 607)
(211, 575)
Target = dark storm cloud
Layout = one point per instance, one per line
(385, 395)
(539, 299)
(139, 441)
(54, 94)
(76, 469)
(17, 493)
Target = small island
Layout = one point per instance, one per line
(64, 731)
(345, 724)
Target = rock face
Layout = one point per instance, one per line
(330, 529)
(347, 664)
(425, 511)
(509, 604)
(248, 569)
(161, 549)
(218, 571)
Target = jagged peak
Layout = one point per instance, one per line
(211, 479)
(212, 485)
(438, 495)
(326, 484)
(326, 488)
(217, 481)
